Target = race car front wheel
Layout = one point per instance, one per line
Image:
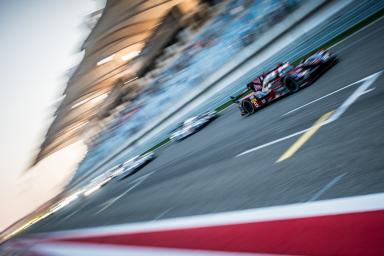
(248, 107)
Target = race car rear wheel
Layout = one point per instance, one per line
(291, 85)
(248, 107)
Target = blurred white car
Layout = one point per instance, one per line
(134, 164)
(192, 125)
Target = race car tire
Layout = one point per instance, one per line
(291, 85)
(248, 106)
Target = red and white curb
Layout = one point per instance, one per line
(345, 226)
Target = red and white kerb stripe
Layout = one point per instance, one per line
(345, 226)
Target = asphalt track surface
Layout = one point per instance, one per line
(204, 174)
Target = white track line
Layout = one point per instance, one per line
(141, 177)
(274, 142)
(327, 187)
(359, 91)
(368, 81)
(368, 90)
(114, 200)
(318, 99)
(344, 205)
(327, 95)
(70, 249)
(69, 215)
(163, 214)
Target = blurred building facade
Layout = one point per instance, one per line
(126, 40)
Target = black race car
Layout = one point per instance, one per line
(282, 80)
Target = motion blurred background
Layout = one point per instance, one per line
(142, 56)
(86, 85)
(39, 46)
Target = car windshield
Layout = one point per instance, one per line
(284, 69)
(313, 58)
(131, 160)
(270, 77)
(190, 121)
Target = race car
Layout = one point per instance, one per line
(192, 125)
(134, 164)
(282, 80)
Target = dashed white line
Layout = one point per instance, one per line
(326, 187)
(318, 99)
(141, 178)
(274, 142)
(368, 90)
(327, 95)
(136, 182)
(163, 214)
(368, 81)
(69, 215)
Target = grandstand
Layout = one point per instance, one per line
(113, 56)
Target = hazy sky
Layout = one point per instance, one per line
(39, 41)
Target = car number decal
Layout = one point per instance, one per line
(254, 102)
